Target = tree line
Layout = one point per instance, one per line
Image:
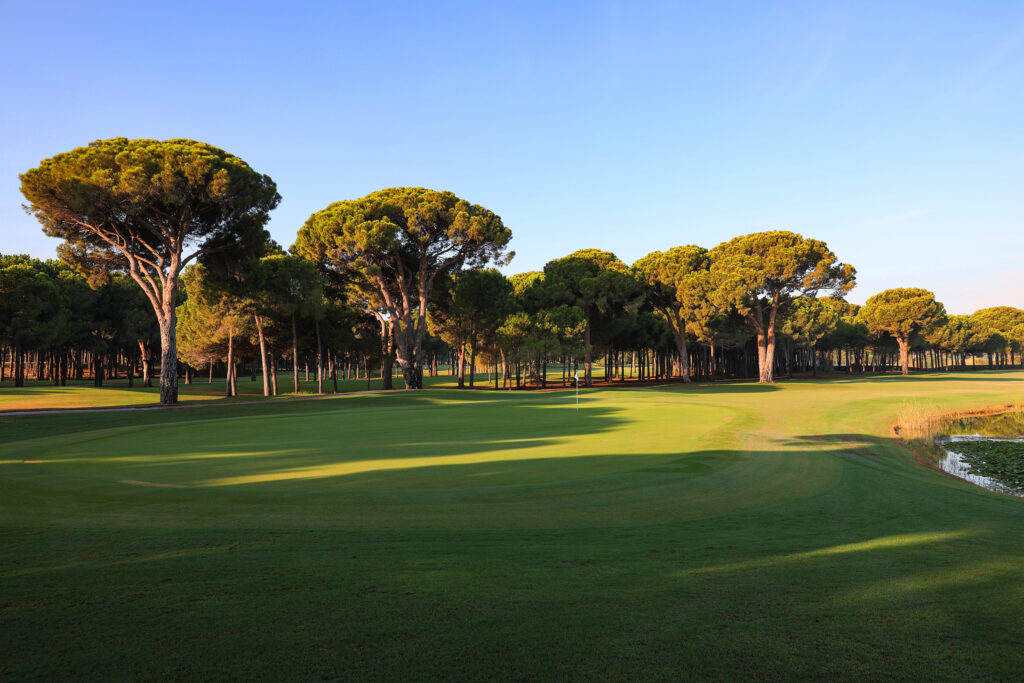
(405, 275)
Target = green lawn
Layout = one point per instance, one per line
(43, 395)
(725, 531)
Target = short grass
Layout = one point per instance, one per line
(722, 532)
(43, 395)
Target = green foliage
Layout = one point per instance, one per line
(210, 318)
(809, 320)
(598, 284)
(31, 310)
(558, 329)
(1000, 319)
(955, 334)
(280, 286)
(767, 269)
(902, 312)
(540, 329)
(147, 208)
(759, 274)
(677, 283)
(675, 277)
(381, 242)
(117, 202)
(389, 247)
(1016, 336)
(596, 281)
(471, 307)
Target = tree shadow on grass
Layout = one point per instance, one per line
(283, 445)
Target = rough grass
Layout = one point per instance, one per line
(717, 532)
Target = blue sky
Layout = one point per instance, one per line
(893, 131)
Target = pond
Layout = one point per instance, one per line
(987, 450)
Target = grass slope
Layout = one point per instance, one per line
(715, 531)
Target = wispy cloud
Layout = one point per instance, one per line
(900, 217)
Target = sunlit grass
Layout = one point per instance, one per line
(884, 543)
(43, 395)
(709, 531)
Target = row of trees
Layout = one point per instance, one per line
(411, 265)
(53, 321)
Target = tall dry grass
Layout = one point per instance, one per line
(919, 421)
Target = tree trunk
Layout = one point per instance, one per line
(904, 342)
(387, 372)
(97, 371)
(147, 369)
(333, 360)
(412, 374)
(588, 379)
(258, 319)
(387, 339)
(462, 366)
(295, 357)
(168, 346)
(228, 384)
(684, 358)
(273, 374)
(319, 360)
(764, 367)
(19, 366)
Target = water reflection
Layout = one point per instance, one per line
(1007, 425)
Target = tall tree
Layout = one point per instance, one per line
(594, 281)
(954, 336)
(290, 288)
(212, 324)
(807, 321)
(391, 245)
(761, 273)
(1016, 336)
(148, 208)
(1001, 320)
(676, 283)
(31, 312)
(902, 312)
(474, 306)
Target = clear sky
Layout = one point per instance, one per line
(894, 131)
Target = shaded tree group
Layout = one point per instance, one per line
(54, 326)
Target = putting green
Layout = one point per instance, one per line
(714, 531)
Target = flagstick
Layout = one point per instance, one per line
(577, 391)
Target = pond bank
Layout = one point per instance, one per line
(933, 438)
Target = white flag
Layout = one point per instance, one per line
(577, 376)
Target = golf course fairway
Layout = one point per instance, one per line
(716, 531)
